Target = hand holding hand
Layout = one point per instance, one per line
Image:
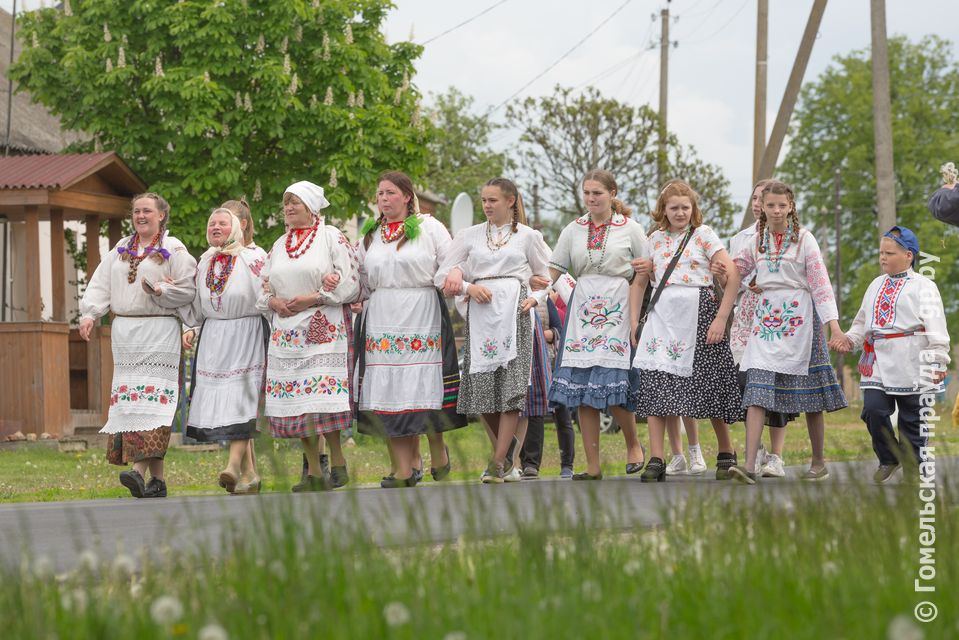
(330, 281)
(538, 283)
(301, 303)
(527, 304)
(187, 338)
(642, 266)
(453, 285)
(479, 293)
(280, 307)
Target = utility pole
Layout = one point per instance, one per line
(663, 94)
(759, 110)
(13, 40)
(837, 183)
(770, 154)
(882, 119)
(535, 216)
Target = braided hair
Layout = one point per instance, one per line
(163, 207)
(509, 189)
(778, 188)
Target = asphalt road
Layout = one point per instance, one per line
(428, 513)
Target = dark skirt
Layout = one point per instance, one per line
(710, 392)
(537, 402)
(814, 392)
(136, 446)
(241, 431)
(414, 423)
(774, 419)
(506, 388)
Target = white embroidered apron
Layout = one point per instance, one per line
(306, 366)
(781, 338)
(404, 351)
(493, 325)
(597, 324)
(668, 341)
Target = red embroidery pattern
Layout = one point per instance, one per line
(597, 236)
(884, 309)
(323, 331)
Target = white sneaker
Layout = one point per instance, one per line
(697, 465)
(773, 467)
(676, 466)
(513, 475)
(761, 456)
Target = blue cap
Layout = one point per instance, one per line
(906, 239)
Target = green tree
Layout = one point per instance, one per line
(209, 100)
(460, 159)
(566, 134)
(832, 128)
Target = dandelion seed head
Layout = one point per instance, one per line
(632, 568)
(902, 627)
(124, 565)
(396, 614)
(88, 560)
(166, 610)
(213, 631)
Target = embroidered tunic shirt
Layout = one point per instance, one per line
(584, 249)
(692, 270)
(524, 255)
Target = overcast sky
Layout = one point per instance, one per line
(711, 69)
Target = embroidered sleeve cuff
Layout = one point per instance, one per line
(559, 267)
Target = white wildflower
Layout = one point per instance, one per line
(88, 560)
(592, 592)
(316, 4)
(42, 568)
(326, 46)
(286, 64)
(328, 100)
(298, 34)
(396, 614)
(123, 565)
(455, 635)
(902, 627)
(109, 65)
(75, 600)
(121, 58)
(829, 568)
(350, 100)
(158, 67)
(406, 81)
(348, 33)
(333, 178)
(136, 589)
(285, 44)
(106, 33)
(360, 99)
(238, 99)
(166, 610)
(257, 192)
(313, 101)
(398, 97)
(206, 77)
(225, 129)
(632, 568)
(247, 103)
(213, 631)
(260, 44)
(67, 10)
(35, 41)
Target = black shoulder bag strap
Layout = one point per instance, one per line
(669, 271)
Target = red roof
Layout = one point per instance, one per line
(58, 171)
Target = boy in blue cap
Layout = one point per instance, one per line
(901, 326)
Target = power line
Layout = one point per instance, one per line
(708, 13)
(722, 28)
(560, 59)
(465, 22)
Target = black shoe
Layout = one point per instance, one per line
(655, 471)
(636, 467)
(339, 477)
(132, 480)
(312, 483)
(155, 489)
(724, 461)
(737, 472)
(443, 472)
(392, 482)
(587, 476)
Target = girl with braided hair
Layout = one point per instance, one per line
(498, 258)
(786, 361)
(408, 377)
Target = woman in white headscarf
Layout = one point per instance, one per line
(230, 348)
(310, 279)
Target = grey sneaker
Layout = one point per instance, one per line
(737, 472)
(566, 473)
(884, 473)
(815, 474)
(530, 473)
(494, 474)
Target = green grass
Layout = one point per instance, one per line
(811, 563)
(36, 473)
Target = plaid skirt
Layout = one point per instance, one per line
(136, 446)
(541, 375)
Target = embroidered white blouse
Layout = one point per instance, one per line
(524, 255)
(606, 250)
(241, 292)
(897, 304)
(739, 242)
(801, 268)
(692, 270)
(414, 265)
(109, 290)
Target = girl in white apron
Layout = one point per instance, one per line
(786, 361)
(497, 258)
(683, 360)
(593, 369)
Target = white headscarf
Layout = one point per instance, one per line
(233, 245)
(310, 194)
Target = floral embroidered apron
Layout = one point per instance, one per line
(668, 341)
(493, 325)
(597, 324)
(781, 338)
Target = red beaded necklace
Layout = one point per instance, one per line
(133, 250)
(216, 281)
(303, 243)
(391, 231)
